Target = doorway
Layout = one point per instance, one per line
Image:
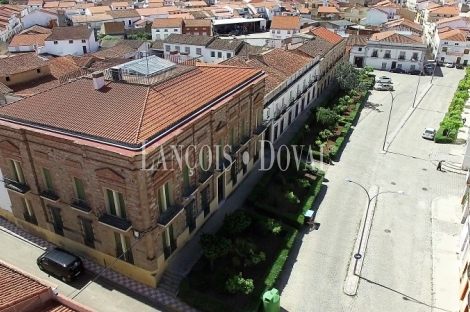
(190, 210)
(205, 201)
(88, 233)
(359, 61)
(84, 49)
(458, 60)
(394, 65)
(57, 219)
(220, 187)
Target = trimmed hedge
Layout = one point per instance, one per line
(200, 301)
(295, 220)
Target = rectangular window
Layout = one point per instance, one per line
(55, 42)
(70, 41)
(402, 55)
(415, 56)
(229, 55)
(444, 49)
(79, 189)
(28, 208)
(219, 54)
(16, 171)
(167, 48)
(399, 65)
(175, 30)
(83, 41)
(187, 50)
(177, 48)
(185, 176)
(384, 65)
(220, 144)
(198, 51)
(412, 67)
(456, 43)
(288, 32)
(157, 30)
(232, 137)
(115, 203)
(46, 173)
(278, 32)
(359, 49)
(38, 70)
(166, 30)
(123, 243)
(7, 78)
(375, 53)
(165, 197)
(212, 53)
(387, 54)
(465, 51)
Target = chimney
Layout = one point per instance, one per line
(98, 80)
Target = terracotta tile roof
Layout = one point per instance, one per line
(285, 22)
(118, 51)
(316, 47)
(28, 40)
(448, 19)
(36, 86)
(356, 40)
(20, 63)
(36, 29)
(4, 89)
(197, 23)
(189, 39)
(137, 107)
(51, 4)
(443, 29)
(393, 36)
(225, 44)
(325, 9)
(105, 64)
(69, 33)
(114, 28)
(249, 49)
(123, 14)
(78, 18)
(327, 35)
(453, 35)
(35, 2)
(167, 22)
(157, 44)
(445, 10)
(68, 4)
(17, 287)
(404, 22)
(120, 4)
(304, 11)
(62, 65)
(99, 9)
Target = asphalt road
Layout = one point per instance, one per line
(101, 295)
(397, 270)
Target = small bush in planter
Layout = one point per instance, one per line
(291, 198)
(303, 183)
(239, 285)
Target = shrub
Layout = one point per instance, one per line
(237, 221)
(273, 226)
(214, 247)
(327, 117)
(291, 198)
(303, 183)
(238, 285)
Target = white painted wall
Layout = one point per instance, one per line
(216, 56)
(5, 202)
(375, 18)
(395, 49)
(183, 48)
(162, 33)
(208, 55)
(455, 49)
(63, 47)
(356, 52)
(128, 22)
(38, 18)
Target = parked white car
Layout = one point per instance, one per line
(383, 87)
(384, 79)
(429, 133)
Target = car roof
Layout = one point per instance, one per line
(429, 129)
(61, 256)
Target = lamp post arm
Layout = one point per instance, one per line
(367, 192)
(384, 192)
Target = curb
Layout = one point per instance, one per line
(351, 283)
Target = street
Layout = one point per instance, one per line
(397, 270)
(100, 295)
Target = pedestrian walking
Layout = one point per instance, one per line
(464, 120)
(439, 165)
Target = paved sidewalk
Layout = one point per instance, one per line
(192, 251)
(446, 229)
(161, 299)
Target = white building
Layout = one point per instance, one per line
(431, 30)
(150, 14)
(74, 40)
(221, 49)
(452, 46)
(34, 5)
(193, 46)
(40, 17)
(378, 16)
(30, 40)
(357, 52)
(283, 27)
(163, 27)
(389, 50)
(124, 5)
(129, 17)
(10, 23)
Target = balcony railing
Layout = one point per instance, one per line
(401, 57)
(80, 204)
(168, 250)
(222, 165)
(205, 175)
(15, 185)
(311, 82)
(258, 130)
(30, 219)
(49, 195)
(245, 139)
(115, 222)
(387, 56)
(189, 190)
(170, 213)
(374, 55)
(234, 148)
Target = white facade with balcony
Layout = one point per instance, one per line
(72, 47)
(452, 51)
(285, 103)
(389, 55)
(161, 33)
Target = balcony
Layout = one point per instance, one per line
(245, 139)
(401, 57)
(205, 175)
(387, 56)
(311, 82)
(79, 204)
(15, 186)
(189, 190)
(414, 59)
(222, 164)
(115, 222)
(455, 53)
(170, 213)
(168, 250)
(30, 219)
(299, 94)
(50, 195)
(234, 148)
(260, 129)
(374, 55)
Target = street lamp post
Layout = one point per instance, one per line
(390, 115)
(358, 255)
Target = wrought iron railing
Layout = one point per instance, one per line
(171, 211)
(49, 194)
(190, 189)
(15, 185)
(80, 204)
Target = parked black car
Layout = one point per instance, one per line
(61, 263)
(416, 72)
(459, 66)
(398, 71)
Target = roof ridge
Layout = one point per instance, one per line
(139, 128)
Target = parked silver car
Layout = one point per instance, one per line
(383, 87)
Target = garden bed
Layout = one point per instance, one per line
(206, 288)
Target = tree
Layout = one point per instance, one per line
(237, 221)
(4, 2)
(239, 285)
(214, 247)
(327, 117)
(347, 76)
(450, 123)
